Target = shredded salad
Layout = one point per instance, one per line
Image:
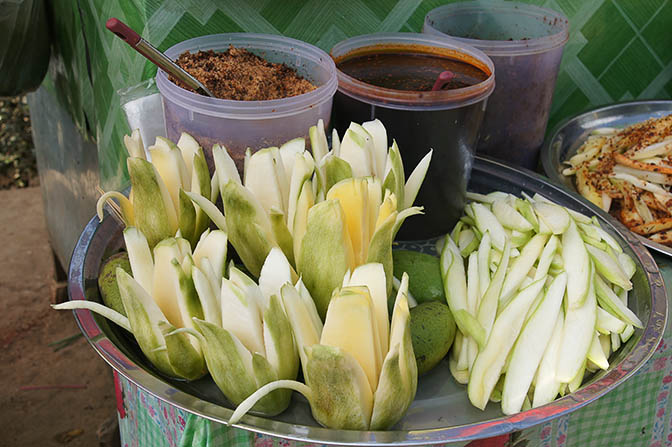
(628, 173)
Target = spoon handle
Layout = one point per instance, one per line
(155, 56)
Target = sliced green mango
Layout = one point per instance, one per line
(596, 354)
(213, 246)
(486, 221)
(509, 217)
(454, 276)
(335, 170)
(318, 141)
(378, 133)
(490, 361)
(546, 385)
(155, 213)
(613, 304)
(184, 353)
(372, 275)
(304, 328)
(187, 298)
(415, 180)
(289, 152)
(353, 196)
(200, 184)
(395, 179)
(305, 201)
(248, 226)
(282, 234)
(357, 150)
(326, 252)
(304, 167)
(530, 346)
(134, 145)
(168, 161)
(212, 308)
(107, 281)
(229, 362)
(470, 326)
(380, 248)
(164, 282)
(487, 309)
(484, 265)
(577, 264)
(350, 326)
(225, 167)
(609, 268)
(262, 179)
(186, 217)
(525, 208)
(521, 266)
(188, 147)
(577, 333)
(555, 217)
(144, 317)
(281, 352)
(241, 316)
(341, 394)
(127, 210)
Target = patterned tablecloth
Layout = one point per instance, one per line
(638, 413)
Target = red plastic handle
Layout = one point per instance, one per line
(122, 30)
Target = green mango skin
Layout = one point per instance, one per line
(424, 274)
(432, 331)
(107, 281)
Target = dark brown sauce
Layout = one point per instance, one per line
(410, 71)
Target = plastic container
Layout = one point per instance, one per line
(525, 43)
(255, 124)
(447, 121)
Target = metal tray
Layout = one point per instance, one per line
(571, 133)
(441, 411)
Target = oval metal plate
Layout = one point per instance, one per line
(441, 411)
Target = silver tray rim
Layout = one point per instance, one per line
(553, 149)
(640, 353)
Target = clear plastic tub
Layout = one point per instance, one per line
(447, 121)
(525, 43)
(255, 124)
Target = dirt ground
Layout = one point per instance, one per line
(49, 396)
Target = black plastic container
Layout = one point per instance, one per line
(447, 121)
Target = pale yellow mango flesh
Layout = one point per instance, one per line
(170, 165)
(164, 283)
(241, 316)
(353, 196)
(261, 178)
(372, 275)
(349, 325)
(386, 209)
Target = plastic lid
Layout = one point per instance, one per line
(310, 62)
(415, 43)
(500, 28)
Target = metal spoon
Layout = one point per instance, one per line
(155, 56)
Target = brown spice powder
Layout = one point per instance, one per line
(241, 75)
